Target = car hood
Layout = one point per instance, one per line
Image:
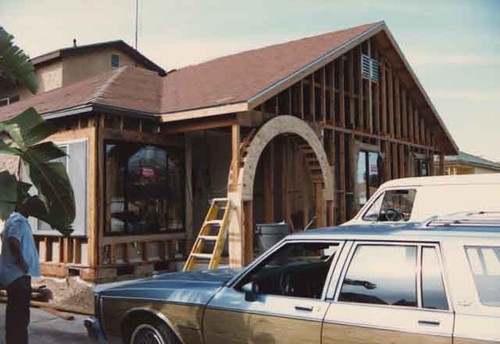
(196, 287)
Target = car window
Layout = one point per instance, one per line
(393, 205)
(484, 263)
(296, 269)
(381, 274)
(433, 292)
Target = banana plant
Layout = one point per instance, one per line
(15, 65)
(25, 136)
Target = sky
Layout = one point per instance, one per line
(452, 45)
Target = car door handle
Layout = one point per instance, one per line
(429, 322)
(304, 308)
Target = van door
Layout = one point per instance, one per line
(390, 293)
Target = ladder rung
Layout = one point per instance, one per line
(209, 237)
(202, 255)
(214, 222)
(219, 199)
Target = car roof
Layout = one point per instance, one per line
(408, 231)
(488, 178)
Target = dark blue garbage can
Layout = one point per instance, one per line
(268, 234)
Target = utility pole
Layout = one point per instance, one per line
(136, 21)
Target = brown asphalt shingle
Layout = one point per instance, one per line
(239, 77)
(226, 80)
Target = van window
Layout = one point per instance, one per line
(393, 205)
(484, 263)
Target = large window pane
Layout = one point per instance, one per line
(144, 187)
(485, 265)
(382, 274)
(297, 269)
(433, 292)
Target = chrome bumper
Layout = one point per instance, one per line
(94, 330)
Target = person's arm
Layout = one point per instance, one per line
(15, 248)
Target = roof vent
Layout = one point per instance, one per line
(370, 68)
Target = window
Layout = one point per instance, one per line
(9, 100)
(382, 274)
(392, 205)
(484, 263)
(42, 226)
(115, 60)
(76, 166)
(422, 168)
(296, 269)
(433, 292)
(367, 176)
(144, 189)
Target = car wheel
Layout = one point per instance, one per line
(152, 332)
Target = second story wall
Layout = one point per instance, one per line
(82, 66)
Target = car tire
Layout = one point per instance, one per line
(151, 331)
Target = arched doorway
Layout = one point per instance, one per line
(241, 195)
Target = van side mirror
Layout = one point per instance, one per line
(251, 290)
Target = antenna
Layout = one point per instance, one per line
(136, 21)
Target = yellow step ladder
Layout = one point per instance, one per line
(212, 231)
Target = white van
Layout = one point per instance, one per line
(417, 199)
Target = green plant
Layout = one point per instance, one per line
(24, 136)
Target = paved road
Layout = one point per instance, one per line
(48, 329)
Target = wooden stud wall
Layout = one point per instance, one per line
(349, 107)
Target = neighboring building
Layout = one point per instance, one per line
(299, 132)
(465, 163)
(66, 66)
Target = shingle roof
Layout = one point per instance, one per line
(473, 160)
(125, 88)
(239, 77)
(234, 79)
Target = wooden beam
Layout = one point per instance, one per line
(301, 99)
(332, 94)
(342, 93)
(404, 115)
(391, 103)
(397, 106)
(320, 205)
(383, 99)
(184, 127)
(323, 95)
(342, 177)
(312, 99)
(350, 70)
(235, 149)
(360, 92)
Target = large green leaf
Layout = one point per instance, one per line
(15, 65)
(52, 182)
(50, 178)
(28, 128)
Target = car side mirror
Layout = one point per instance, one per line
(251, 290)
